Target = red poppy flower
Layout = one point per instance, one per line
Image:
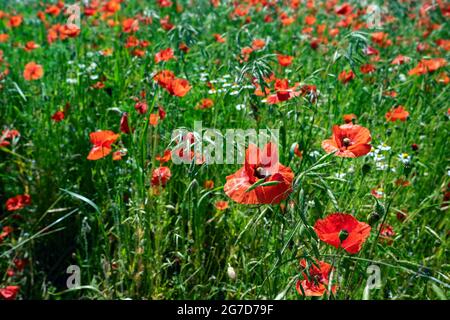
(154, 119)
(164, 78)
(18, 202)
(141, 107)
(346, 76)
(8, 134)
(4, 37)
(30, 46)
(371, 51)
(349, 141)
(179, 87)
(205, 104)
(349, 118)
(165, 158)
(283, 92)
(160, 176)
(258, 44)
(208, 184)
(164, 55)
(219, 38)
(58, 116)
(9, 292)
(387, 233)
(164, 3)
(310, 20)
(102, 141)
(221, 205)
(400, 60)
(428, 65)
(342, 230)
(381, 38)
(316, 283)
(6, 230)
(69, 31)
(130, 25)
(33, 71)
(284, 60)
(398, 113)
(274, 180)
(124, 126)
(162, 113)
(344, 9)
(119, 154)
(165, 23)
(367, 68)
(14, 21)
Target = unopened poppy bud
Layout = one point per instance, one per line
(373, 218)
(343, 234)
(231, 273)
(365, 168)
(415, 147)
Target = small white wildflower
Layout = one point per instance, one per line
(383, 147)
(242, 106)
(340, 175)
(314, 154)
(231, 273)
(404, 158)
(378, 157)
(234, 93)
(381, 166)
(71, 81)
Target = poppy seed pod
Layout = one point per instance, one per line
(343, 234)
(373, 218)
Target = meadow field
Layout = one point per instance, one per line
(248, 149)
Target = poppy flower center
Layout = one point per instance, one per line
(343, 234)
(261, 173)
(346, 141)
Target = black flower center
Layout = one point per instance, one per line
(346, 141)
(261, 173)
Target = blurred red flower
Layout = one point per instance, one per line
(18, 202)
(9, 292)
(160, 176)
(102, 141)
(398, 113)
(164, 55)
(33, 71)
(315, 282)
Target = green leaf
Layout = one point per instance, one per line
(261, 183)
(82, 198)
